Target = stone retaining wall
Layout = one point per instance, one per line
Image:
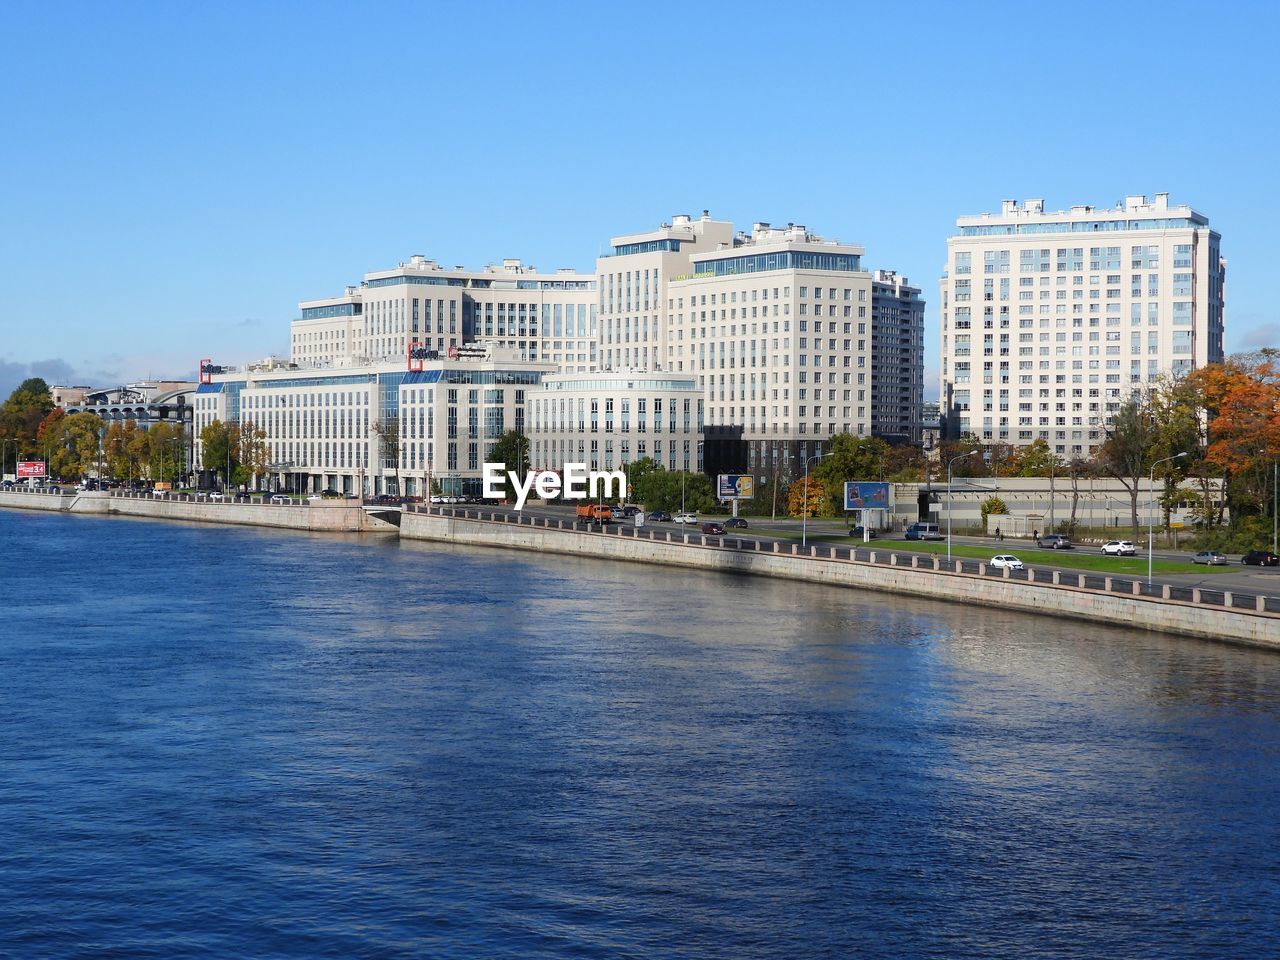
(1168, 616)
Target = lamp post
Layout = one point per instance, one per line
(1275, 500)
(1151, 535)
(950, 463)
(804, 514)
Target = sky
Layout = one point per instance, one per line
(174, 178)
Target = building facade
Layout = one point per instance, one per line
(609, 419)
(1051, 321)
(543, 317)
(776, 328)
(373, 429)
(631, 281)
(897, 358)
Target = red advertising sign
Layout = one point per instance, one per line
(31, 468)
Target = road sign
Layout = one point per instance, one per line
(735, 486)
(866, 496)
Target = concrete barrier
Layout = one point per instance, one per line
(1119, 609)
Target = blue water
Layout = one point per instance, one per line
(221, 742)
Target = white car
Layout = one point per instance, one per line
(281, 498)
(1006, 561)
(685, 518)
(1118, 548)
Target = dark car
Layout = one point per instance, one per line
(1056, 541)
(387, 499)
(658, 516)
(860, 533)
(734, 522)
(713, 529)
(330, 495)
(1261, 558)
(627, 511)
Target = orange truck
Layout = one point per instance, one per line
(594, 512)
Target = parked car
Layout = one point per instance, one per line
(625, 511)
(1118, 548)
(281, 498)
(923, 531)
(387, 499)
(330, 495)
(1261, 558)
(6, 485)
(1006, 561)
(658, 516)
(859, 533)
(734, 522)
(1211, 558)
(1056, 541)
(712, 528)
(685, 518)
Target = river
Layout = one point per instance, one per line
(229, 742)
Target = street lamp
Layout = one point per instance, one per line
(804, 515)
(1151, 536)
(949, 465)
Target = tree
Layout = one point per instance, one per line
(973, 466)
(671, 489)
(164, 451)
(512, 451)
(388, 432)
(848, 458)
(71, 442)
(992, 506)
(817, 502)
(1037, 460)
(124, 449)
(218, 442)
(255, 453)
(23, 412)
(1125, 453)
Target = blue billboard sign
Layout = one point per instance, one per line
(866, 496)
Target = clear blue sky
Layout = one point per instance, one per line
(175, 177)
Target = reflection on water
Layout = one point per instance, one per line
(230, 742)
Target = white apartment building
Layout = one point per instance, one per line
(541, 316)
(610, 419)
(897, 358)
(776, 327)
(632, 288)
(377, 428)
(1050, 321)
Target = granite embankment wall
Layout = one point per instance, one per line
(331, 516)
(1169, 616)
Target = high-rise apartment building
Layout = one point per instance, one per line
(1050, 321)
(897, 358)
(632, 288)
(543, 317)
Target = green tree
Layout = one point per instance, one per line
(992, 507)
(388, 432)
(219, 446)
(1037, 460)
(849, 458)
(662, 490)
(512, 450)
(23, 412)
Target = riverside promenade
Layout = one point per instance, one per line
(1120, 601)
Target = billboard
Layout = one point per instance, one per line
(866, 496)
(31, 468)
(735, 486)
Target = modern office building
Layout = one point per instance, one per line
(543, 317)
(1050, 321)
(776, 327)
(389, 427)
(632, 279)
(611, 418)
